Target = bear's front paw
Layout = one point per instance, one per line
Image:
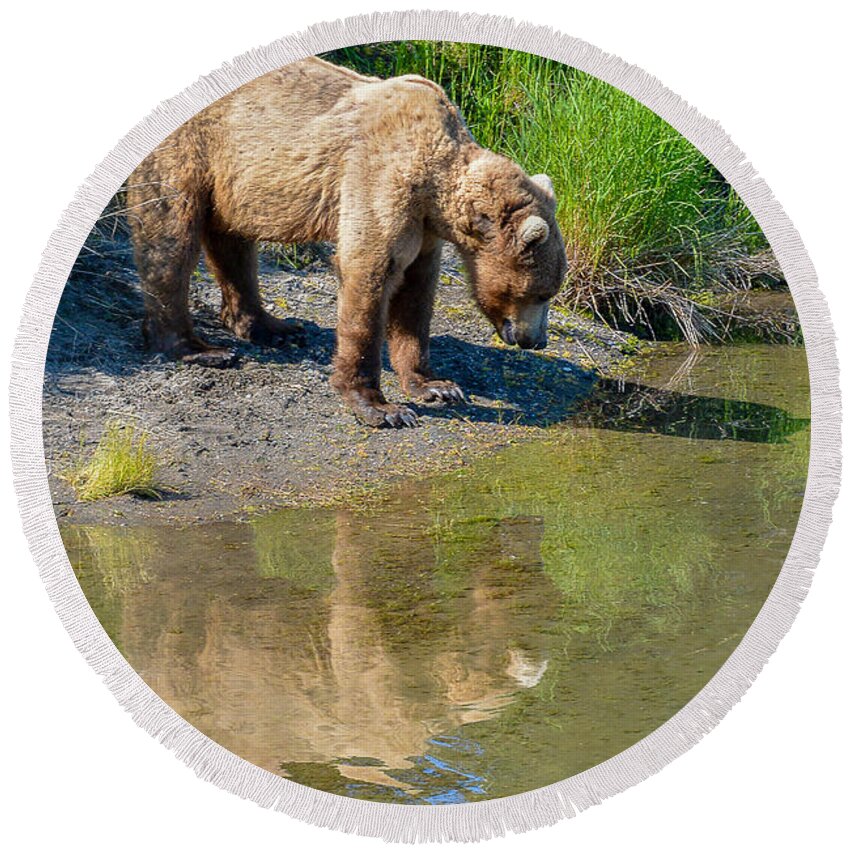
(371, 408)
(379, 413)
(386, 415)
(441, 392)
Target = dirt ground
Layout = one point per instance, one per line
(270, 431)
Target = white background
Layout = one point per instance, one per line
(76, 78)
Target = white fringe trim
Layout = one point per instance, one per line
(468, 821)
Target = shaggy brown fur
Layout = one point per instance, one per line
(388, 171)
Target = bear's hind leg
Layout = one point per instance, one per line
(234, 262)
(166, 242)
(409, 331)
(167, 326)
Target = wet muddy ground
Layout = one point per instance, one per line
(270, 431)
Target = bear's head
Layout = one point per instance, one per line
(511, 246)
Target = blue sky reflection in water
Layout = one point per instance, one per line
(489, 631)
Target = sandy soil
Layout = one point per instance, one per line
(270, 431)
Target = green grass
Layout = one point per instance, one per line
(650, 226)
(121, 463)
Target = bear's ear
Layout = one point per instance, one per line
(545, 183)
(533, 230)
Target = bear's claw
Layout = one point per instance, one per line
(401, 417)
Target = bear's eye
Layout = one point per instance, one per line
(526, 256)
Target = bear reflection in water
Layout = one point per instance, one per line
(354, 648)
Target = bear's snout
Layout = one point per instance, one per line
(528, 328)
(533, 343)
(517, 335)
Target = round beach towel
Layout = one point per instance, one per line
(421, 423)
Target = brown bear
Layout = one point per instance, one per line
(388, 171)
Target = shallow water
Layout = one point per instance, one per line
(490, 631)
